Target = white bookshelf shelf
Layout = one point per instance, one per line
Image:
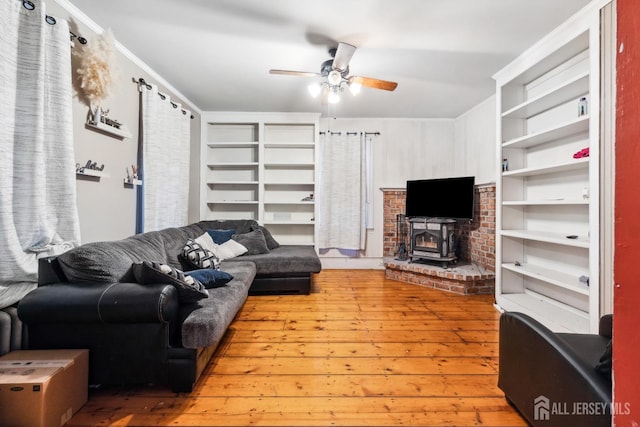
(573, 164)
(285, 184)
(548, 237)
(232, 165)
(550, 202)
(571, 89)
(232, 202)
(232, 182)
(291, 222)
(572, 127)
(289, 165)
(555, 315)
(232, 144)
(289, 203)
(554, 277)
(287, 145)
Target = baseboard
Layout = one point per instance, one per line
(345, 263)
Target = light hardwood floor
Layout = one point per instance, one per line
(361, 350)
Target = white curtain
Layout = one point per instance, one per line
(341, 192)
(38, 215)
(166, 130)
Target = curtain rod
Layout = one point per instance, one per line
(350, 133)
(52, 21)
(141, 81)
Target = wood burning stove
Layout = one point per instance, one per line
(433, 239)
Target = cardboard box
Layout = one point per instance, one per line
(42, 387)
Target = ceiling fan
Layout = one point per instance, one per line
(336, 72)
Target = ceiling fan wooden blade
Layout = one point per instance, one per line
(374, 83)
(294, 73)
(343, 55)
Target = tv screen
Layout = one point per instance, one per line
(441, 198)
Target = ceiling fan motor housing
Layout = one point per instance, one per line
(327, 67)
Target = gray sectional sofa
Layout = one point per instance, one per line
(90, 297)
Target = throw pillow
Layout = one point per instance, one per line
(221, 236)
(199, 257)
(271, 242)
(206, 242)
(210, 278)
(189, 288)
(254, 242)
(229, 249)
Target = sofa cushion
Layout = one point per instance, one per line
(106, 262)
(199, 257)
(206, 321)
(210, 278)
(271, 242)
(254, 241)
(206, 242)
(240, 225)
(150, 273)
(174, 240)
(286, 260)
(229, 249)
(221, 236)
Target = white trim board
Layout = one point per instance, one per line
(345, 263)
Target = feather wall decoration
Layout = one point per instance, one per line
(95, 68)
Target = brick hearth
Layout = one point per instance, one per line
(461, 279)
(475, 271)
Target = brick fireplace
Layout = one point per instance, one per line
(474, 272)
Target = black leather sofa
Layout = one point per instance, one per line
(135, 334)
(556, 379)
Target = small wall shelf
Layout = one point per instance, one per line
(121, 132)
(93, 174)
(129, 182)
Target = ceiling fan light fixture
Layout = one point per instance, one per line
(314, 89)
(334, 96)
(355, 88)
(334, 78)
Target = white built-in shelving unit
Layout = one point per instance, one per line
(547, 207)
(261, 166)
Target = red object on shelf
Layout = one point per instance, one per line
(582, 153)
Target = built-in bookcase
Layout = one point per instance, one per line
(263, 167)
(547, 209)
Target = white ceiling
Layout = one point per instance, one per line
(442, 53)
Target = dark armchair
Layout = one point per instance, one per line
(556, 379)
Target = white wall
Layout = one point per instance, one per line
(419, 149)
(107, 209)
(406, 149)
(475, 142)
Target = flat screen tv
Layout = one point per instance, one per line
(441, 198)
